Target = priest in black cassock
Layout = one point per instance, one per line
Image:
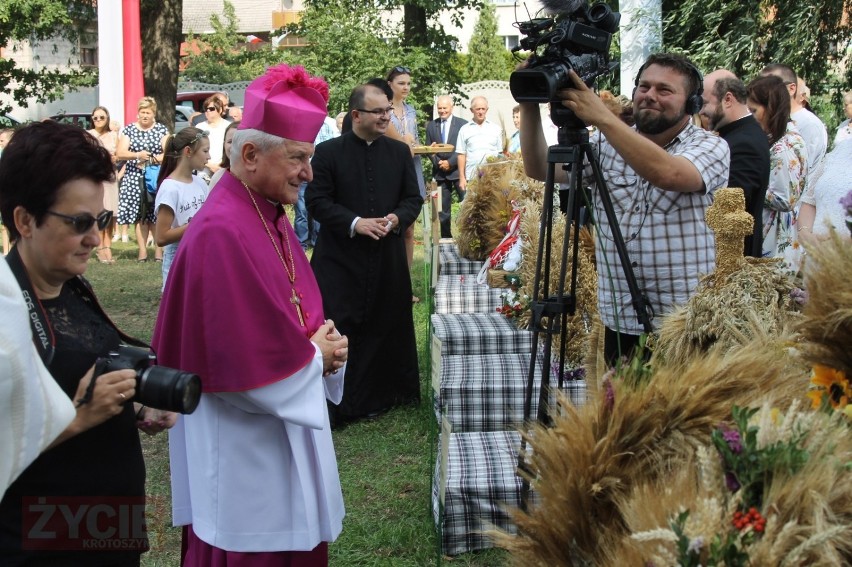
(364, 195)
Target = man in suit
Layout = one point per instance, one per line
(726, 112)
(445, 170)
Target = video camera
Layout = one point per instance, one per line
(578, 38)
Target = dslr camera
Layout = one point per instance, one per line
(578, 38)
(156, 386)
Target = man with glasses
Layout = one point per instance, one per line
(364, 194)
(478, 140)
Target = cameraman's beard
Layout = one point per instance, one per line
(658, 124)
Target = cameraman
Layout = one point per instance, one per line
(661, 174)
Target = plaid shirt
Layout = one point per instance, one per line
(668, 241)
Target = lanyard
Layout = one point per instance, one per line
(43, 336)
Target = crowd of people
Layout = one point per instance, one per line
(661, 174)
(289, 348)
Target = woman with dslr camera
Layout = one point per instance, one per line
(51, 199)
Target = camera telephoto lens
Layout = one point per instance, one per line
(168, 389)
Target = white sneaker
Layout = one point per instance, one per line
(124, 238)
(115, 237)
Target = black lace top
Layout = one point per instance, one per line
(103, 464)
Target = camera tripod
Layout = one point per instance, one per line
(551, 308)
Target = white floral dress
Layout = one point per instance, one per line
(788, 172)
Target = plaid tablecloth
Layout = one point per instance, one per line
(487, 392)
(480, 481)
(461, 294)
(454, 265)
(479, 333)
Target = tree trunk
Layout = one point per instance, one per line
(414, 25)
(162, 33)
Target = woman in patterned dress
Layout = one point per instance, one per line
(769, 101)
(138, 144)
(403, 127)
(109, 140)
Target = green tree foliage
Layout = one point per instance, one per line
(222, 56)
(348, 42)
(39, 21)
(745, 36)
(487, 54)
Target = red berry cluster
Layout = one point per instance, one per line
(751, 519)
(510, 311)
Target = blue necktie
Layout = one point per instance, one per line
(444, 131)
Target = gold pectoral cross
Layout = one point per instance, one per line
(297, 303)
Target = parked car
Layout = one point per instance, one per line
(182, 117)
(81, 119)
(194, 99)
(7, 121)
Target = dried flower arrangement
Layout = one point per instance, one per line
(638, 475)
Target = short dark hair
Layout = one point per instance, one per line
(771, 93)
(382, 84)
(783, 72)
(25, 182)
(731, 85)
(679, 64)
(356, 99)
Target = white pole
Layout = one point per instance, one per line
(110, 59)
(641, 35)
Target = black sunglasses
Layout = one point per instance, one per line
(99, 118)
(209, 108)
(400, 69)
(84, 223)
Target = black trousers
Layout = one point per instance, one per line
(447, 188)
(617, 345)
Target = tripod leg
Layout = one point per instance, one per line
(640, 303)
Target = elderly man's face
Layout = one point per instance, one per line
(445, 107)
(479, 108)
(281, 170)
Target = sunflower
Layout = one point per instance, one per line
(829, 382)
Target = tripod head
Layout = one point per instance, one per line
(572, 130)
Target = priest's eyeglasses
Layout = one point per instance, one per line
(377, 111)
(83, 223)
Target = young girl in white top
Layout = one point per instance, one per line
(180, 191)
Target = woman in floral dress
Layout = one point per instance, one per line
(769, 101)
(139, 144)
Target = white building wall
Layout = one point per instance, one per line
(50, 54)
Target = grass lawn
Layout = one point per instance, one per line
(385, 465)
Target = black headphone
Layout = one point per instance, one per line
(694, 102)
